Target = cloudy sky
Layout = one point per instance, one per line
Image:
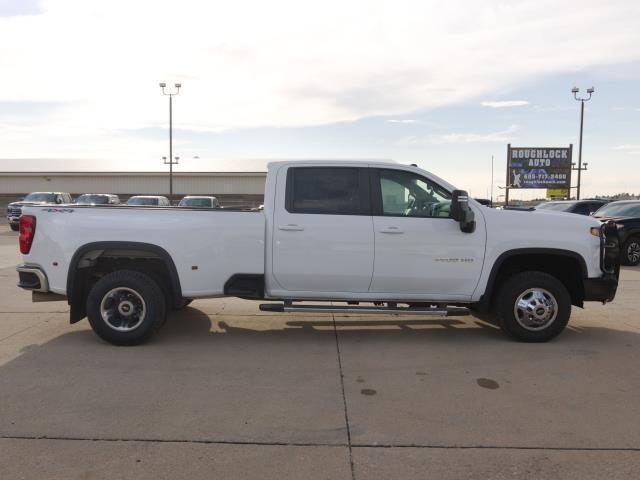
(443, 84)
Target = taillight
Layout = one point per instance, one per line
(27, 231)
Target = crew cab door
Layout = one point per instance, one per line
(419, 249)
(323, 230)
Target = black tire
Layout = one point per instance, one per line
(15, 227)
(630, 252)
(539, 291)
(134, 290)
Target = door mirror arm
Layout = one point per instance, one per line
(461, 211)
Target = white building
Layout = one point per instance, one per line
(230, 187)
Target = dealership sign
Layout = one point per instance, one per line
(542, 167)
(557, 193)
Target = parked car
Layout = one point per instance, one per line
(14, 209)
(626, 215)
(149, 200)
(199, 202)
(394, 236)
(98, 199)
(581, 207)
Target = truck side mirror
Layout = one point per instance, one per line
(461, 212)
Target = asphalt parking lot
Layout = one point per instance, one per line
(225, 391)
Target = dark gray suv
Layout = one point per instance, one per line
(581, 207)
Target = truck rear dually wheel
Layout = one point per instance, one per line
(126, 307)
(533, 306)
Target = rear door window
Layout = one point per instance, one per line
(583, 208)
(328, 190)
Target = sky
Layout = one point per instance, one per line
(445, 85)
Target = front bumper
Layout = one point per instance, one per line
(13, 220)
(603, 289)
(32, 278)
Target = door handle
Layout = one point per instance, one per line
(291, 227)
(391, 230)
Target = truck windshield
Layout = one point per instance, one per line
(92, 200)
(619, 209)
(556, 206)
(142, 201)
(195, 202)
(40, 197)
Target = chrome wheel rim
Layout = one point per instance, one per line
(123, 309)
(535, 309)
(633, 252)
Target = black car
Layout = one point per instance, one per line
(581, 207)
(626, 215)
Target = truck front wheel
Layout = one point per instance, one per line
(533, 306)
(126, 307)
(15, 227)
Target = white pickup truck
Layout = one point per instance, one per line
(378, 237)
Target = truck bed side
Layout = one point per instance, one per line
(202, 244)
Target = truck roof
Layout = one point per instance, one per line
(100, 194)
(48, 193)
(361, 161)
(148, 196)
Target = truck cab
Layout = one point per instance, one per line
(148, 201)
(97, 199)
(199, 201)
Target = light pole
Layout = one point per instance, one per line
(575, 91)
(491, 181)
(170, 162)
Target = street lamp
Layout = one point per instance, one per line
(575, 91)
(170, 162)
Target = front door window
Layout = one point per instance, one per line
(406, 194)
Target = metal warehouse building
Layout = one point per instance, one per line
(232, 188)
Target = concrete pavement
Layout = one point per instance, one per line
(226, 391)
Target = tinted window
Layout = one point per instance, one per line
(407, 194)
(620, 209)
(142, 201)
(195, 202)
(557, 206)
(582, 208)
(92, 199)
(40, 197)
(326, 190)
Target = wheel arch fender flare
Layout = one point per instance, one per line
(77, 311)
(485, 299)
